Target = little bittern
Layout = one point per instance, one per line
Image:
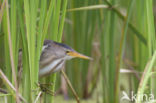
(54, 55)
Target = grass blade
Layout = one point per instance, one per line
(122, 45)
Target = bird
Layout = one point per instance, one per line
(54, 55)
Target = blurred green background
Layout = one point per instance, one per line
(118, 34)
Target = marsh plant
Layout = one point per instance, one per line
(118, 34)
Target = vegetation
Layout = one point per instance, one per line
(119, 35)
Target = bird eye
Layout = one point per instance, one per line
(67, 51)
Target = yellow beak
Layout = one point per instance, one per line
(76, 54)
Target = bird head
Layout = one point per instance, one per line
(61, 50)
(71, 53)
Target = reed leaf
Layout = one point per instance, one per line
(121, 50)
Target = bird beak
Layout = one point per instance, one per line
(76, 54)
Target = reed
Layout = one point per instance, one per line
(118, 35)
(150, 32)
(32, 27)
